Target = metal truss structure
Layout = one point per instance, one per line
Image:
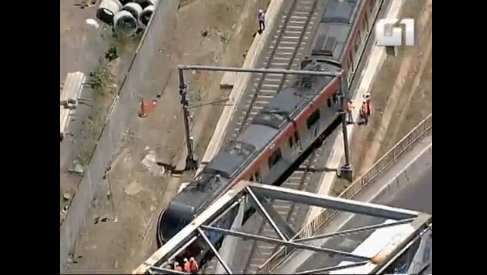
(260, 196)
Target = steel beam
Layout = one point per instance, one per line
(333, 268)
(354, 231)
(260, 208)
(214, 250)
(260, 70)
(229, 245)
(423, 255)
(356, 207)
(284, 227)
(188, 232)
(161, 270)
(245, 236)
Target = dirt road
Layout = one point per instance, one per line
(207, 32)
(401, 95)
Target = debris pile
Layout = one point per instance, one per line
(126, 16)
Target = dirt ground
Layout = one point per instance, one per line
(208, 32)
(80, 45)
(81, 49)
(401, 95)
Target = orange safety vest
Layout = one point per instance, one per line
(193, 266)
(349, 107)
(187, 267)
(365, 109)
(178, 268)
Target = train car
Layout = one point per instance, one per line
(381, 240)
(298, 118)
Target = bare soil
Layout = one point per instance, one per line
(401, 95)
(210, 32)
(82, 48)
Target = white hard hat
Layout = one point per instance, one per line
(191, 259)
(260, 11)
(185, 259)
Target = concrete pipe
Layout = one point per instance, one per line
(134, 9)
(145, 3)
(145, 15)
(107, 10)
(125, 23)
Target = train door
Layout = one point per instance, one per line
(313, 126)
(295, 145)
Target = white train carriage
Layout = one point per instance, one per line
(377, 246)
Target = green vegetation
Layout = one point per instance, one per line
(104, 81)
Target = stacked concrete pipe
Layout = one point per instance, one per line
(125, 23)
(148, 9)
(107, 9)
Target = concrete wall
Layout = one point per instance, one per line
(118, 122)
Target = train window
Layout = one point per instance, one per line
(257, 176)
(294, 139)
(350, 63)
(366, 22)
(274, 158)
(313, 118)
(358, 41)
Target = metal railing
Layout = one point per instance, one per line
(406, 143)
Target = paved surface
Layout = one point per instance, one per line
(416, 195)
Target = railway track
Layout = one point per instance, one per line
(287, 49)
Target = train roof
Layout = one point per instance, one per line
(335, 27)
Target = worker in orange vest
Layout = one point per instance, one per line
(187, 266)
(193, 265)
(177, 267)
(349, 110)
(365, 112)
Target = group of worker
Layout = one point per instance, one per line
(365, 111)
(189, 266)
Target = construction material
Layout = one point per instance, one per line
(134, 9)
(68, 101)
(125, 23)
(107, 10)
(146, 15)
(146, 3)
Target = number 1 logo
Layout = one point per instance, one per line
(388, 34)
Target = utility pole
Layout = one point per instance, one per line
(346, 170)
(191, 161)
(106, 176)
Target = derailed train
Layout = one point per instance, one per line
(293, 123)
